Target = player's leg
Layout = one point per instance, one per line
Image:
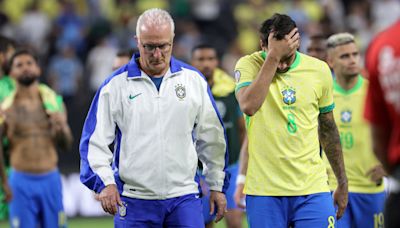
(53, 214)
(185, 211)
(140, 213)
(234, 216)
(315, 210)
(23, 208)
(266, 211)
(368, 209)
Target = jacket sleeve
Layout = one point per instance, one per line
(98, 132)
(211, 143)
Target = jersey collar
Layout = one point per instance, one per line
(135, 72)
(356, 87)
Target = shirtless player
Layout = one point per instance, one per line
(34, 135)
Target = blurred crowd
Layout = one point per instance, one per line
(77, 40)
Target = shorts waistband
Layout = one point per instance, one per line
(34, 175)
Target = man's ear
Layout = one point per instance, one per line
(263, 45)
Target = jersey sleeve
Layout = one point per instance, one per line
(245, 72)
(325, 102)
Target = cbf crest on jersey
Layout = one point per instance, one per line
(180, 91)
(345, 116)
(289, 95)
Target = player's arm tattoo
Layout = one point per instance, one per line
(330, 141)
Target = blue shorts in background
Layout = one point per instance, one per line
(183, 211)
(315, 210)
(364, 210)
(37, 200)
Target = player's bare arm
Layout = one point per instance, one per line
(60, 130)
(329, 138)
(3, 175)
(251, 98)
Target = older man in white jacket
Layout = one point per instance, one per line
(162, 118)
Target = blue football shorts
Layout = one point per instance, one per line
(37, 200)
(315, 210)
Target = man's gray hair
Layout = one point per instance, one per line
(154, 17)
(339, 39)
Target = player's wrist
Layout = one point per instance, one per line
(240, 179)
(273, 56)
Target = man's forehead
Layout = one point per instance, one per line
(155, 31)
(350, 47)
(23, 58)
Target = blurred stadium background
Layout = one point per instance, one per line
(86, 35)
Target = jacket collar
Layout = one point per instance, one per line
(134, 70)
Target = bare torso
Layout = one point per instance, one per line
(32, 148)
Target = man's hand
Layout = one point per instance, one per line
(60, 130)
(340, 198)
(217, 202)
(109, 198)
(58, 121)
(239, 196)
(377, 173)
(285, 47)
(7, 192)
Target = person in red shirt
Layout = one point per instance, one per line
(383, 110)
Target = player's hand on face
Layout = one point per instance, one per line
(239, 196)
(285, 47)
(340, 199)
(7, 192)
(377, 173)
(110, 199)
(217, 202)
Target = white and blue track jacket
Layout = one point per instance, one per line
(158, 135)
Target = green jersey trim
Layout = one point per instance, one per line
(241, 85)
(295, 63)
(327, 108)
(247, 119)
(358, 85)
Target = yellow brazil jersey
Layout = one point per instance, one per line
(284, 155)
(355, 138)
(223, 83)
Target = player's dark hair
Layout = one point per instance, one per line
(279, 24)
